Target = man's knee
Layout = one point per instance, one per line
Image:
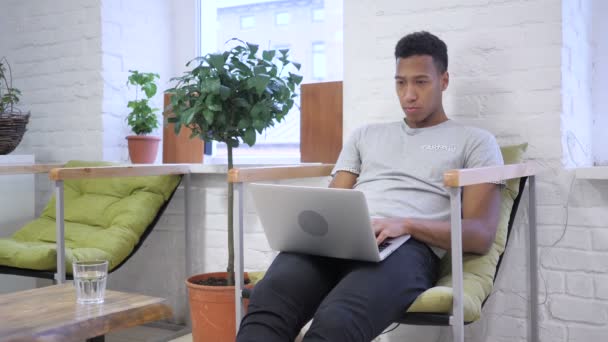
(340, 322)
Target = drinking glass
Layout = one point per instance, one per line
(90, 281)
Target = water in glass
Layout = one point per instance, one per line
(90, 281)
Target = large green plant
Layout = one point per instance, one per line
(9, 96)
(142, 118)
(231, 96)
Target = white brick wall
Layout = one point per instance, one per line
(506, 67)
(53, 47)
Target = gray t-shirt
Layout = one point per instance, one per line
(401, 168)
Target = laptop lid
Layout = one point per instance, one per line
(318, 221)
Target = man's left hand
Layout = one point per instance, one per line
(389, 228)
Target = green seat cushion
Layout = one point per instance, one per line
(478, 270)
(104, 220)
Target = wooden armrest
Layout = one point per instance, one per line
(27, 168)
(257, 174)
(464, 177)
(118, 171)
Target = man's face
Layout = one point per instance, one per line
(419, 87)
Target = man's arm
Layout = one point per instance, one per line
(480, 214)
(344, 180)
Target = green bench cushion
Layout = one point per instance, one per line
(478, 270)
(104, 219)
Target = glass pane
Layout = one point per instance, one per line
(318, 14)
(319, 60)
(282, 18)
(247, 22)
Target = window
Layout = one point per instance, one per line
(318, 14)
(256, 21)
(599, 86)
(247, 22)
(281, 18)
(281, 46)
(319, 61)
(584, 84)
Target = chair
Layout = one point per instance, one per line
(445, 303)
(108, 217)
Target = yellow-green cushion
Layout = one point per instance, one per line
(479, 270)
(104, 219)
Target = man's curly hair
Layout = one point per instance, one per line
(424, 43)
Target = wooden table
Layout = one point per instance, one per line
(52, 314)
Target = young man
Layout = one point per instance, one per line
(399, 167)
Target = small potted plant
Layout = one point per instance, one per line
(229, 97)
(142, 119)
(12, 120)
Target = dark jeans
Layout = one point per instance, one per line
(349, 300)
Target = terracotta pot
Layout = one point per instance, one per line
(212, 309)
(143, 148)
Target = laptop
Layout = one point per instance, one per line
(319, 221)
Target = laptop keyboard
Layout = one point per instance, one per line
(383, 245)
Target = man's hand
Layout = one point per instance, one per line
(389, 228)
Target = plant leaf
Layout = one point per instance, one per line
(249, 137)
(241, 102)
(258, 124)
(259, 82)
(268, 55)
(208, 116)
(244, 123)
(257, 110)
(217, 61)
(149, 89)
(259, 70)
(213, 103)
(210, 86)
(253, 49)
(295, 78)
(224, 92)
(186, 116)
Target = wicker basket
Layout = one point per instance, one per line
(12, 128)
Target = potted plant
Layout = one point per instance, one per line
(142, 118)
(230, 97)
(12, 120)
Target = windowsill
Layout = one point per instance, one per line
(253, 160)
(594, 172)
(218, 165)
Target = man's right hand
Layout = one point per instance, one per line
(389, 228)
